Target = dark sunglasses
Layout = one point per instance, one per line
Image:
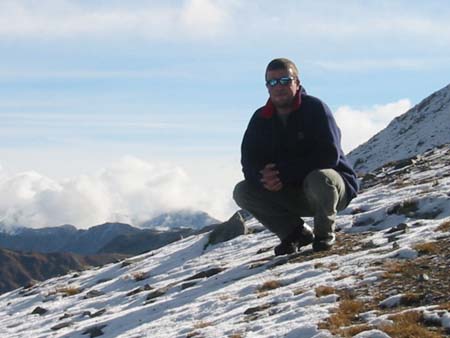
(284, 81)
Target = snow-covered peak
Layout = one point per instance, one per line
(185, 218)
(423, 127)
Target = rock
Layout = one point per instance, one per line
(103, 280)
(95, 331)
(399, 227)
(65, 316)
(188, 285)
(60, 326)
(206, 273)
(145, 287)
(423, 278)
(258, 308)
(39, 311)
(98, 313)
(94, 293)
(230, 229)
(157, 293)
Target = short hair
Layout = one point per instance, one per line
(282, 63)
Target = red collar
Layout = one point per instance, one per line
(269, 109)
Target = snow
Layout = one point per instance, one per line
(372, 334)
(419, 129)
(153, 295)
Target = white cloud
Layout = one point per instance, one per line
(131, 190)
(356, 65)
(358, 125)
(156, 20)
(209, 19)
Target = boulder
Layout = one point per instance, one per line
(227, 230)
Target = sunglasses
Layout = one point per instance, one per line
(284, 81)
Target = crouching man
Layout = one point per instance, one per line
(294, 165)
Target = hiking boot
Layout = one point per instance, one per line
(300, 237)
(324, 244)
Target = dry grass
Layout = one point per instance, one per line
(298, 291)
(411, 299)
(444, 306)
(393, 268)
(408, 325)
(323, 290)
(69, 290)
(269, 285)
(347, 312)
(262, 294)
(139, 276)
(354, 330)
(444, 227)
(236, 335)
(406, 207)
(428, 248)
(202, 324)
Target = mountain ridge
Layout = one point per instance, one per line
(423, 127)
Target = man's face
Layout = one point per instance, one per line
(282, 95)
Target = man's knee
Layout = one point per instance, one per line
(325, 185)
(318, 180)
(240, 193)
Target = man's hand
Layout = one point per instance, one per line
(270, 179)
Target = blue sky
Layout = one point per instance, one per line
(90, 86)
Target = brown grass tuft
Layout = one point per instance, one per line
(444, 227)
(269, 285)
(407, 208)
(139, 276)
(354, 330)
(324, 290)
(393, 268)
(408, 325)
(444, 306)
(69, 290)
(411, 299)
(202, 324)
(347, 312)
(299, 291)
(428, 248)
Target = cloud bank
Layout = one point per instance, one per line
(146, 19)
(206, 19)
(130, 191)
(358, 125)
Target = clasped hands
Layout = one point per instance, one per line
(270, 179)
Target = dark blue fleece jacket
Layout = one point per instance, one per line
(310, 140)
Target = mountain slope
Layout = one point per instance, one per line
(19, 268)
(423, 127)
(392, 255)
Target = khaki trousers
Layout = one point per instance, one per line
(321, 196)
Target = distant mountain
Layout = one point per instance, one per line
(92, 240)
(423, 127)
(108, 237)
(51, 239)
(64, 238)
(145, 240)
(180, 219)
(19, 268)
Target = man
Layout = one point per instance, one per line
(294, 165)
